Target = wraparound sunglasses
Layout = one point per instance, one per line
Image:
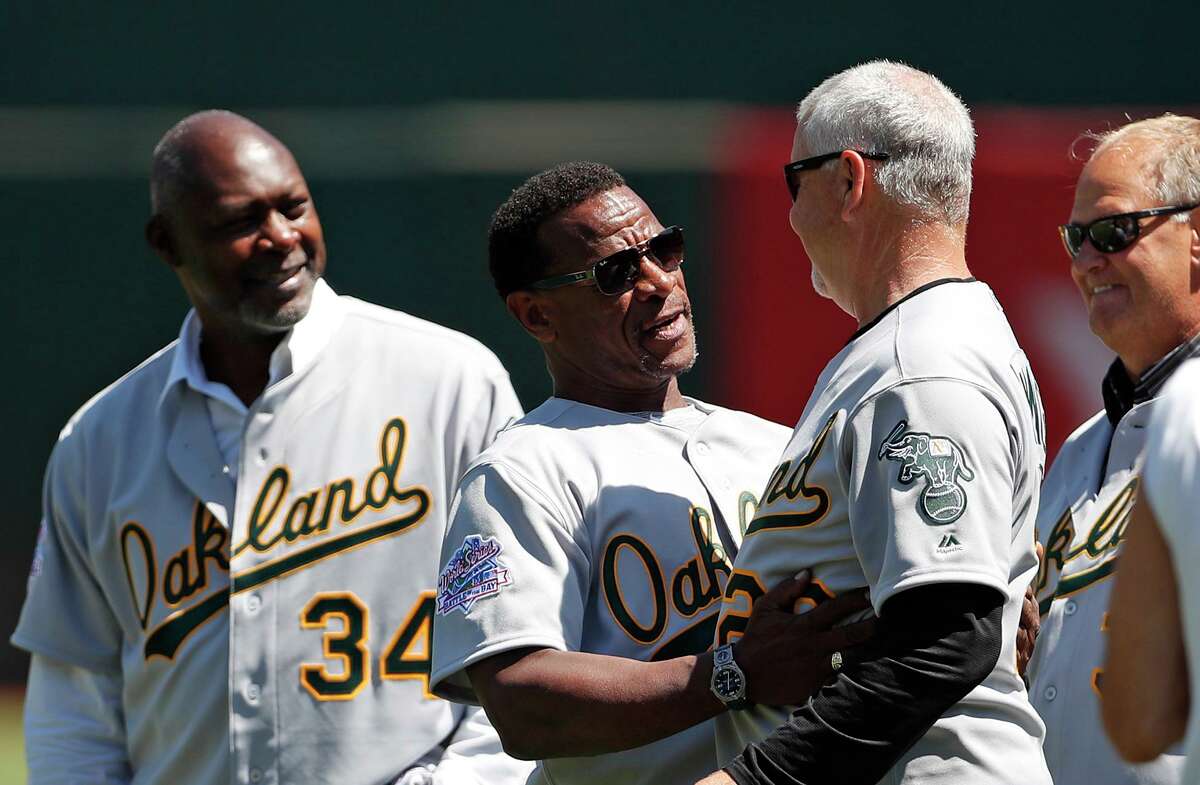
(1113, 233)
(618, 273)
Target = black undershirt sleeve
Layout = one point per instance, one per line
(934, 644)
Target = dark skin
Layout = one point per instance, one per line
(535, 697)
(612, 352)
(625, 353)
(236, 222)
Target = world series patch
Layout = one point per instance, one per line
(472, 574)
(937, 459)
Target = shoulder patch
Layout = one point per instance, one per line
(472, 574)
(39, 555)
(940, 461)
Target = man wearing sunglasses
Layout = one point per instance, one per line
(1134, 246)
(914, 470)
(589, 547)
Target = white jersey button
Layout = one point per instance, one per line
(262, 455)
(252, 693)
(702, 448)
(255, 775)
(1050, 693)
(1070, 607)
(253, 603)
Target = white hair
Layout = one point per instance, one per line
(1172, 169)
(925, 129)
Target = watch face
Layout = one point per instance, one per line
(728, 682)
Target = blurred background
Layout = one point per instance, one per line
(413, 121)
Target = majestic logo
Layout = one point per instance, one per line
(473, 573)
(949, 544)
(940, 461)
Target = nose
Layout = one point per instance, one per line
(1089, 260)
(277, 233)
(654, 280)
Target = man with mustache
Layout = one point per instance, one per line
(590, 545)
(234, 577)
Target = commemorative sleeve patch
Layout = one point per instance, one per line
(940, 462)
(472, 574)
(39, 555)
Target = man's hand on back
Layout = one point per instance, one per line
(786, 655)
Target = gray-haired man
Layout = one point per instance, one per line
(915, 467)
(1134, 243)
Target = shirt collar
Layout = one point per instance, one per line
(1120, 394)
(297, 351)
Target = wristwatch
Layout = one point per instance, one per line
(728, 682)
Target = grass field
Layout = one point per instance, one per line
(12, 751)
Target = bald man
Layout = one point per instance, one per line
(235, 573)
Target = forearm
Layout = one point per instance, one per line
(935, 644)
(74, 726)
(549, 704)
(1145, 702)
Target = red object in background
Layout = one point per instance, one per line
(775, 334)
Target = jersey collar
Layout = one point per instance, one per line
(297, 351)
(909, 296)
(1120, 394)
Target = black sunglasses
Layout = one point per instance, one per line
(791, 172)
(1112, 233)
(617, 273)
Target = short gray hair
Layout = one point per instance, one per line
(1172, 169)
(925, 129)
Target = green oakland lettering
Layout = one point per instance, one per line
(1061, 537)
(1103, 542)
(185, 573)
(381, 488)
(747, 507)
(697, 584)
(789, 481)
(612, 588)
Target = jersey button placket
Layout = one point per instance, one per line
(1050, 693)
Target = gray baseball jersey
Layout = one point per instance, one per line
(917, 461)
(1086, 501)
(269, 623)
(584, 529)
(1171, 485)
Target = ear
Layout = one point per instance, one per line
(1194, 251)
(853, 182)
(535, 313)
(1195, 223)
(158, 237)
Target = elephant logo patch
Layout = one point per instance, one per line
(940, 461)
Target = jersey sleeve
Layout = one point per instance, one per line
(1172, 457)
(66, 615)
(495, 407)
(475, 756)
(512, 576)
(74, 725)
(931, 474)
